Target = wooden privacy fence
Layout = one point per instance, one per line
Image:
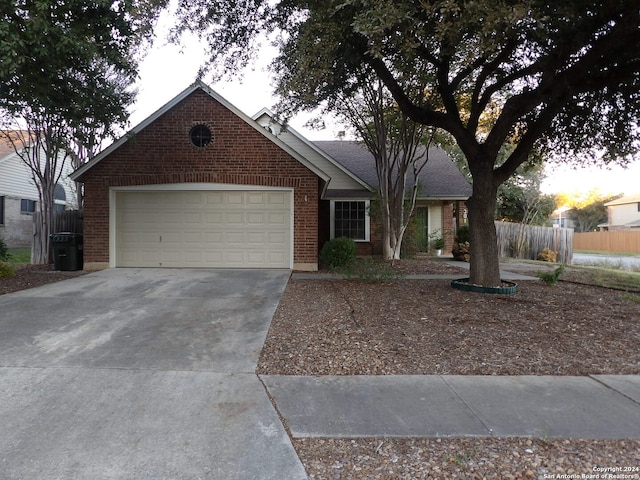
(611, 241)
(527, 241)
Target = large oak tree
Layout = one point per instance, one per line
(537, 74)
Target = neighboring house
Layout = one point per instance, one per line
(200, 184)
(623, 213)
(19, 196)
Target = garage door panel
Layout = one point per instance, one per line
(214, 198)
(203, 229)
(256, 238)
(234, 238)
(256, 218)
(234, 218)
(193, 237)
(193, 217)
(235, 198)
(255, 199)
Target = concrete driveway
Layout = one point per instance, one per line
(141, 373)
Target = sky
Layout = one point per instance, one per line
(169, 69)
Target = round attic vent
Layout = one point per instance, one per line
(200, 136)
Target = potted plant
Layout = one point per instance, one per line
(438, 244)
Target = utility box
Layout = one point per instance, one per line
(67, 251)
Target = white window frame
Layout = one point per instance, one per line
(367, 223)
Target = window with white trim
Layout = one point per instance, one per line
(59, 198)
(350, 218)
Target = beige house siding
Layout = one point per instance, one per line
(624, 213)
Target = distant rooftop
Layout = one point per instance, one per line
(624, 200)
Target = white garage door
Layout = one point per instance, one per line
(228, 229)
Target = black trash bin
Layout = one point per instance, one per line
(67, 251)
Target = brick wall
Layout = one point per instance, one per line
(17, 229)
(163, 153)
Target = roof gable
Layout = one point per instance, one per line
(440, 178)
(176, 101)
(341, 177)
(624, 200)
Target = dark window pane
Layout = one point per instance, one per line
(350, 220)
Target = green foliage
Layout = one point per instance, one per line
(462, 234)
(4, 251)
(7, 270)
(551, 278)
(616, 279)
(372, 271)
(521, 201)
(54, 52)
(20, 256)
(539, 76)
(338, 253)
(589, 216)
(631, 296)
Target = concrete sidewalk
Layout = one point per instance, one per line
(596, 407)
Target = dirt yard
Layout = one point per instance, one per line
(346, 327)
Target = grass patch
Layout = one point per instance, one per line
(631, 296)
(371, 271)
(599, 252)
(618, 279)
(20, 256)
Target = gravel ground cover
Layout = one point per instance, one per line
(348, 327)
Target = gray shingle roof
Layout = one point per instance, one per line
(439, 178)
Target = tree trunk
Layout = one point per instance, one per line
(485, 269)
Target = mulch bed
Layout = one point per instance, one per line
(29, 276)
(347, 327)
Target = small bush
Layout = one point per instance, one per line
(462, 234)
(551, 278)
(7, 270)
(371, 271)
(4, 251)
(548, 255)
(338, 253)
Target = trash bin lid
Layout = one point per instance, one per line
(66, 237)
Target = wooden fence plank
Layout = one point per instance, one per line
(527, 241)
(623, 241)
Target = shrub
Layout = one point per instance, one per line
(548, 255)
(551, 278)
(7, 270)
(372, 271)
(462, 234)
(338, 253)
(461, 247)
(4, 251)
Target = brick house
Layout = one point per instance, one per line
(200, 184)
